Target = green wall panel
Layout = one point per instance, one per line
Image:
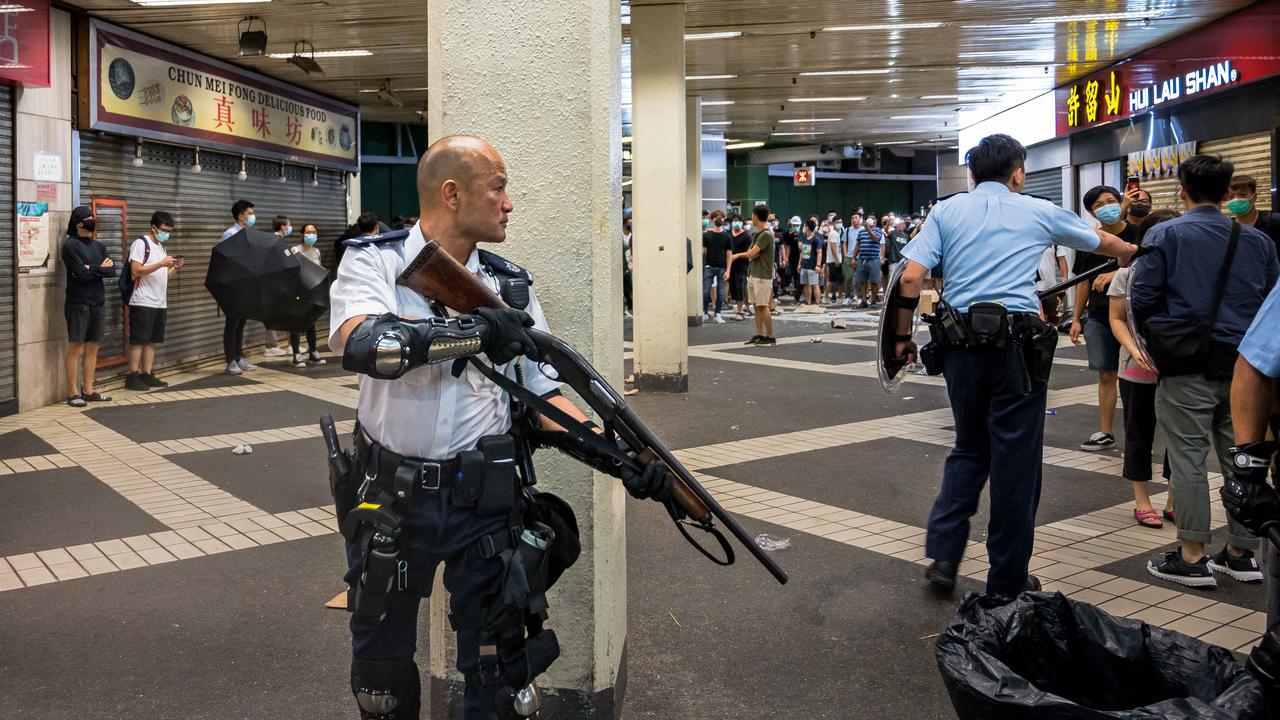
(843, 196)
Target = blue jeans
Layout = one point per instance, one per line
(999, 435)
(433, 533)
(710, 274)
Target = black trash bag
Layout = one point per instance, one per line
(1046, 657)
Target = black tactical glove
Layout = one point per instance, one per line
(1246, 495)
(504, 334)
(655, 482)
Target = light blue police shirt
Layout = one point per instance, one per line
(990, 241)
(1261, 344)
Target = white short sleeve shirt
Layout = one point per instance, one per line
(152, 290)
(426, 413)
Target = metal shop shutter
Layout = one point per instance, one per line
(8, 261)
(201, 206)
(1046, 184)
(1251, 154)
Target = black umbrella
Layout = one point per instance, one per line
(309, 301)
(250, 273)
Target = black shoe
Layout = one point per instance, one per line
(153, 381)
(1098, 441)
(941, 576)
(754, 339)
(136, 381)
(767, 341)
(95, 396)
(1032, 585)
(1244, 568)
(1176, 570)
(76, 401)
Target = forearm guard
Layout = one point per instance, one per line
(387, 346)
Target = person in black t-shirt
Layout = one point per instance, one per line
(1242, 202)
(87, 263)
(1106, 204)
(715, 250)
(740, 242)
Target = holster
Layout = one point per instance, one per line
(1039, 342)
(988, 326)
(344, 473)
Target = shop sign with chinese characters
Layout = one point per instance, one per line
(148, 88)
(1232, 51)
(24, 42)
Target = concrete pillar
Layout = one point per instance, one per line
(693, 205)
(545, 92)
(660, 330)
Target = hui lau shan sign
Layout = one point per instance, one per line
(151, 89)
(1230, 52)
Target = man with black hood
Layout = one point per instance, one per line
(87, 263)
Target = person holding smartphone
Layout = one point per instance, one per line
(151, 268)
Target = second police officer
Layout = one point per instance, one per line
(439, 447)
(996, 353)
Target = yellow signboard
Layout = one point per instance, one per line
(150, 88)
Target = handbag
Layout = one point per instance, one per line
(1182, 346)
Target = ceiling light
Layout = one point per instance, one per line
(252, 42)
(717, 122)
(888, 26)
(743, 145)
(15, 9)
(179, 3)
(315, 176)
(828, 73)
(713, 35)
(196, 167)
(920, 117)
(900, 142)
(1137, 15)
(399, 90)
(323, 54)
(283, 179)
(790, 134)
(626, 183)
(808, 120)
(709, 77)
(845, 98)
(716, 102)
(242, 175)
(137, 155)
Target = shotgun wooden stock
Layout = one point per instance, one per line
(436, 275)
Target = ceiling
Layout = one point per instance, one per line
(984, 55)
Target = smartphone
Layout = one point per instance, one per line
(1132, 183)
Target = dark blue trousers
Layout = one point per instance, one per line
(999, 435)
(433, 533)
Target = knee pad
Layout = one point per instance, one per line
(386, 689)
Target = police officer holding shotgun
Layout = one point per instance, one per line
(995, 352)
(433, 478)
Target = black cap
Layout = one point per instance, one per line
(77, 216)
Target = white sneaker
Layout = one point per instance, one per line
(719, 319)
(234, 369)
(274, 352)
(315, 359)
(246, 365)
(298, 360)
(846, 302)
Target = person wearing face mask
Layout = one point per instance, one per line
(233, 327)
(1138, 206)
(1092, 311)
(715, 251)
(151, 268)
(1243, 204)
(282, 227)
(309, 253)
(789, 258)
(626, 264)
(87, 263)
(706, 219)
(740, 242)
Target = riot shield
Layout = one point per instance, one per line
(891, 369)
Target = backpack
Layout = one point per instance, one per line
(126, 282)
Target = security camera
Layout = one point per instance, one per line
(387, 95)
(813, 34)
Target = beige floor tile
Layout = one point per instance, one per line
(212, 546)
(9, 581)
(140, 543)
(98, 565)
(1221, 613)
(848, 534)
(156, 555)
(80, 552)
(1090, 595)
(55, 557)
(1152, 595)
(239, 542)
(263, 537)
(289, 532)
(1255, 622)
(1121, 607)
(113, 547)
(896, 546)
(36, 576)
(1058, 571)
(193, 534)
(1186, 604)
(1089, 578)
(185, 551)
(68, 570)
(1192, 626)
(315, 529)
(1230, 637)
(1059, 586)
(1156, 616)
(1120, 586)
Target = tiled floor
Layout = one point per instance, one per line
(203, 519)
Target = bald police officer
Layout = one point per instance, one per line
(434, 454)
(995, 351)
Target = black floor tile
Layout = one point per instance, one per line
(216, 416)
(21, 443)
(54, 508)
(276, 477)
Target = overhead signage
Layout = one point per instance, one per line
(148, 88)
(1235, 50)
(1160, 162)
(24, 42)
(805, 177)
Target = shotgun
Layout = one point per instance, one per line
(437, 276)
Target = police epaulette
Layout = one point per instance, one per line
(502, 266)
(386, 237)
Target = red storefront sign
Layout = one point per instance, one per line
(24, 42)
(1227, 53)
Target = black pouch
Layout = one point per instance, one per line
(949, 326)
(488, 482)
(988, 325)
(931, 356)
(345, 476)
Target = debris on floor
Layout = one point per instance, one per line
(769, 543)
(242, 450)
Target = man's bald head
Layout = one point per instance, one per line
(460, 158)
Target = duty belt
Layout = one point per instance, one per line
(403, 476)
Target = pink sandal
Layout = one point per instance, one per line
(1148, 518)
